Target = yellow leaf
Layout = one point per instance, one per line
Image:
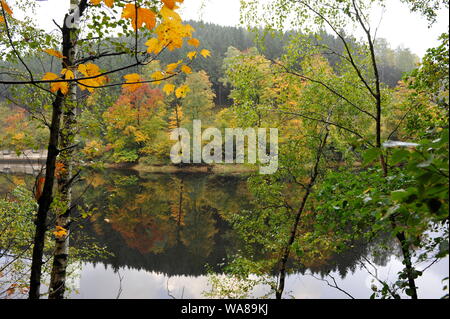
(56, 86)
(19, 136)
(153, 46)
(192, 55)
(171, 67)
(168, 88)
(54, 53)
(205, 53)
(140, 137)
(62, 86)
(182, 91)
(157, 76)
(186, 69)
(194, 42)
(49, 76)
(169, 14)
(91, 71)
(133, 79)
(68, 74)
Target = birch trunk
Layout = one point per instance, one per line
(61, 252)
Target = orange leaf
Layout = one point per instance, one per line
(194, 42)
(54, 53)
(169, 3)
(39, 187)
(109, 3)
(139, 16)
(6, 8)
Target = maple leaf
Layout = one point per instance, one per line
(56, 86)
(192, 55)
(194, 42)
(168, 88)
(139, 16)
(109, 3)
(133, 79)
(172, 67)
(6, 8)
(182, 91)
(169, 3)
(54, 53)
(90, 70)
(153, 46)
(205, 53)
(186, 69)
(169, 14)
(59, 169)
(157, 76)
(68, 74)
(49, 76)
(60, 232)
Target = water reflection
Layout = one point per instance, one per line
(171, 224)
(163, 230)
(175, 225)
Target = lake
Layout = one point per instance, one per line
(167, 232)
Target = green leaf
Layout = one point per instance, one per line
(371, 154)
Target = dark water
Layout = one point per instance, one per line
(165, 231)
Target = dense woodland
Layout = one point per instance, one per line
(108, 113)
(363, 142)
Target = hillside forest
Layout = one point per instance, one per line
(362, 147)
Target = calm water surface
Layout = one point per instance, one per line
(165, 231)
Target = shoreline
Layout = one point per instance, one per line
(203, 169)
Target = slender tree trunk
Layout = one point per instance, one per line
(61, 252)
(408, 264)
(400, 236)
(46, 199)
(287, 250)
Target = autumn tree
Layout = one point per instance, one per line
(134, 123)
(363, 98)
(155, 20)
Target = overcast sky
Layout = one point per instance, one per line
(399, 26)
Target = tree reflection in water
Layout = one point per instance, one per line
(176, 224)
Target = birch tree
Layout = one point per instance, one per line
(88, 33)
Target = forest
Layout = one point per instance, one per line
(92, 204)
